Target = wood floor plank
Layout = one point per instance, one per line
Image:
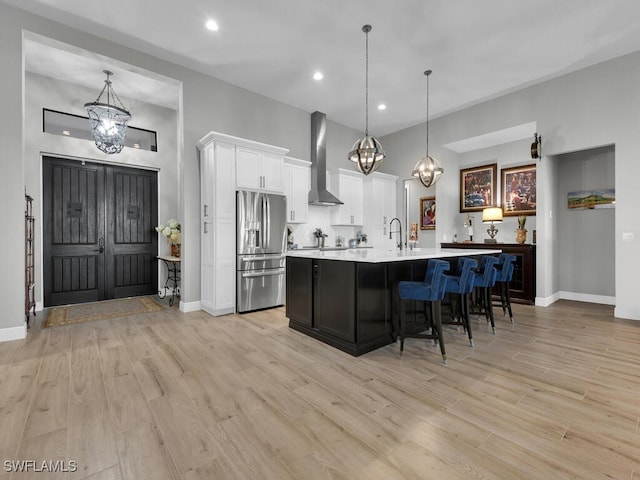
(48, 452)
(90, 438)
(144, 455)
(50, 406)
(189, 442)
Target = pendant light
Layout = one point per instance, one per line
(367, 153)
(427, 170)
(108, 121)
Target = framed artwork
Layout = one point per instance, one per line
(519, 190)
(605, 198)
(478, 188)
(428, 213)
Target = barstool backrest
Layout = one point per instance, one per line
(488, 273)
(505, 267)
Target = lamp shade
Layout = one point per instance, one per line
(492, 214)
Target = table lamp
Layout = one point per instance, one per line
(492, 215)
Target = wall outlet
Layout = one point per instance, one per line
(627, 236)
(445, 238)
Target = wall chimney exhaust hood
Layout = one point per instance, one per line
(319, 195)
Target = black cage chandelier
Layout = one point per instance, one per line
(427, 170)
(108, 121)
(367, 153)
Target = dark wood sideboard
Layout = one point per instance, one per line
(523, 284)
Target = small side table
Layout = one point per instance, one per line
(173, 277)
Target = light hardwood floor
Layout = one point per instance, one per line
(189, 396)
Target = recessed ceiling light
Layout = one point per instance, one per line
(318, 76)
(212, 25)
(382, 106)
(66, 132)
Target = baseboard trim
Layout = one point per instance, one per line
(13, 333)
(576, 297)
(627, 314)
(546, 301)
(187, 307)
(587, 297)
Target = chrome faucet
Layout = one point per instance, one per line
(391, 232)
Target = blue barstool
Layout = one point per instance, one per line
(483, 281)
(460, 286)
(432, 291)
(505, 267)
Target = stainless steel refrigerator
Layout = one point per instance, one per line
(261, 242)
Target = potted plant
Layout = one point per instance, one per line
(521, 232)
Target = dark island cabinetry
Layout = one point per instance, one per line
(344, 304)
(523, 284)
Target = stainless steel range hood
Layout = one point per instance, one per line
(319, 195)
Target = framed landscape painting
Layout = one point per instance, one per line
(428, 213)
(519, 190)
(478, 188)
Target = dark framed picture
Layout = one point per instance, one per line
(478, 187)
(428, 213)
(519, 190)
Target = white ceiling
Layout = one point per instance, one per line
(477, 49)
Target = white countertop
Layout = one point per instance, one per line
(379, 255)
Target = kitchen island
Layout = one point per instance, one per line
(348, 298)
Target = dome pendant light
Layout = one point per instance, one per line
(367, 153)
(427, 170)
(108, 122)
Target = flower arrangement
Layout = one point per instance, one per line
(522, 221)
(171, 231)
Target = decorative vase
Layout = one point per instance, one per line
(521, 235)
(175, 250)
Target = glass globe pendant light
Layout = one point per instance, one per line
(427, 170)
(108, 122)
(367, 153)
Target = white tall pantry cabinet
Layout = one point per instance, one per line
(229, 163)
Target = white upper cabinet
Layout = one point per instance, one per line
(259, 170)
(348, 186)
(297, 181)
(380, 208)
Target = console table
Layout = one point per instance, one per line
(173, 277)
(523, 284)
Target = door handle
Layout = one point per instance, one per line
(100, 245)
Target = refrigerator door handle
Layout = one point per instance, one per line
(264, 273)
(257, 259)
(267, 203)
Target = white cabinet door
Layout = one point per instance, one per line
(380, 208)
(256, 170)
(206, 181)
(272, 173)
(248, 171)
(207, 293)
(296, 187)
(348, 186)
(225, 265)
(225, 192)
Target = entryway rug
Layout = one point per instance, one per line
(88, 312)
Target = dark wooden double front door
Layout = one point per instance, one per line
(99, 240)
